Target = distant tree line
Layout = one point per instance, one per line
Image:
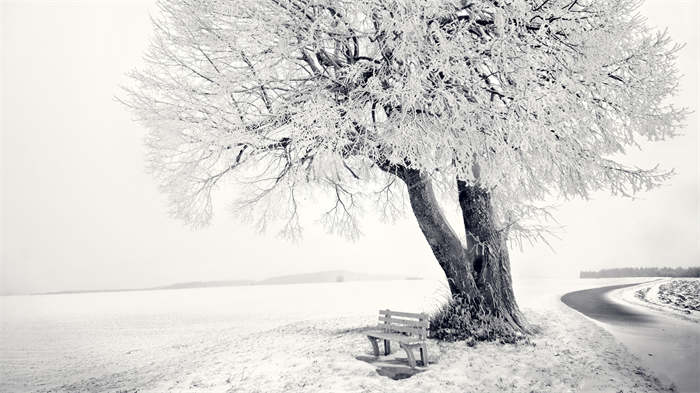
(644, 272)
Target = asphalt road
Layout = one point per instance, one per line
(594, 304)
(668, 346)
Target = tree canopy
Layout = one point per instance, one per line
(527, 98)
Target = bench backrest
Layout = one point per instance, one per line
(404, 322)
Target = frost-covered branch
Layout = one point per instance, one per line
(284, 94)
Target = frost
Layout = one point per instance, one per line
(538, 95)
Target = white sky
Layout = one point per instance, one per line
(79, 211)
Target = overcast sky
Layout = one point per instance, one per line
(79, 210)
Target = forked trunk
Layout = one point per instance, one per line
(487, 251)
(478, 274)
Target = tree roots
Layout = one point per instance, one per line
(461, 320)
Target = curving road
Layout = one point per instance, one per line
(667, 345)
(594, 304)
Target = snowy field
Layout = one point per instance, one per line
(674, 296)
(294, 338)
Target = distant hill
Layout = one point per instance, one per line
(327, 276)
(307, 278)
(644, 272)
(207, 284)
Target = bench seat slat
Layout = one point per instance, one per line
(404, 329)
(396, 337)
(406, 322)
(403, 314)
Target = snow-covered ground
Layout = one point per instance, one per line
(295, 338)
(679, 297)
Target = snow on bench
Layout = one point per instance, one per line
(408, 329)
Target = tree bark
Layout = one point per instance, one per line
(487, 250)
(478, 274)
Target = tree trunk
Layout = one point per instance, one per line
(487, 250)
(478, 274)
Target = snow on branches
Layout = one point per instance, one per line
(283, 94)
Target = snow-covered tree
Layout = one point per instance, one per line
(496, 103)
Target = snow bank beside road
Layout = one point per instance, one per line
(679, 297)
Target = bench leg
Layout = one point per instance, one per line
(375, 346)
(424, 355)
(409, 353)
(387, 347)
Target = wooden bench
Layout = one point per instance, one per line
(408, 329)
